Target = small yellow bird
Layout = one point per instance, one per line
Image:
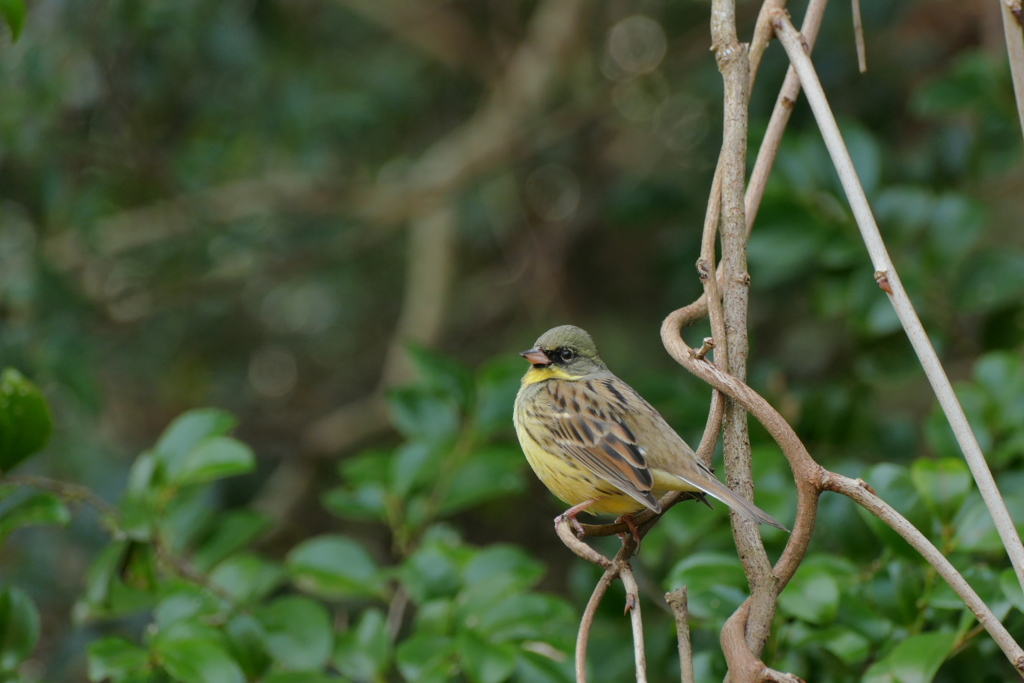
(596, 443)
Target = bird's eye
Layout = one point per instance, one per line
(567, 355)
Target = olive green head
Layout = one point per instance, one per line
(565, 350)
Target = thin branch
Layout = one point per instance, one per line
(933, 369)
(861, 493)
(633, 607)
(780, 116)
(587, 622)
(66, 491)
(1012, 30)
(858, 38)
(677, 602)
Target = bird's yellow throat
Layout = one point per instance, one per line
(539, 374)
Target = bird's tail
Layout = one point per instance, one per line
(717, 489)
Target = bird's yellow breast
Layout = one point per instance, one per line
(570, 482)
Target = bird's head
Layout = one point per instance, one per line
(565, 352)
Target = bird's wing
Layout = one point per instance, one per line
(587, 423)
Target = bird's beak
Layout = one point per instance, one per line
(536, 357)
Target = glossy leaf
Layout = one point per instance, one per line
(335, 567)
(442, 374)
(914, 660)
(430, 659)
(213, 459)
(247, 577)
(942, 484)
(115, 659)
(364, 652)
(198, 661)
(38, 509)
(715, 584)
(484, 661)
(19, 627)
(299, 634)
(246, 641)
(13, 12)
(25, 422)
(812, 595)
(234, 531)
(188, 431)
(419, 414)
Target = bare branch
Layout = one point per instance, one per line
(1012, 30)
(780, 116)
(858, 37)
(861, 493)
(933, 369)
(633, 607)
(677, 602)
(587, 622)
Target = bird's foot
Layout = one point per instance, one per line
(628, 521)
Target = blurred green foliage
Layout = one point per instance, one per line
(181, 224)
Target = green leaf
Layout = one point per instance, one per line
(490, 473)
(301, 677)
(943, 484)
(540, 668)
(182, 603)
(915, 660)
(214, 458)
(25, 423)
(19, 627)
(520, 617)
(37, 509)
(483, 661)
(13, 12)
(715, 584)
(235, 530)
(198, 661)
(893, 484)
(420, 414)
(298, 632)
(105, 593)
(432, 571)
(367, 502)
(189, 430)
(416, 464)
(335, 567)
(115, 659)
(247, 577)
(364, 652)
(427, 659)
(496, 388)
(247, 644)
(1010, 585)
(848, 645)
(442, 374)
(812, 594)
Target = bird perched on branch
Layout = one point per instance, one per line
(597, 444)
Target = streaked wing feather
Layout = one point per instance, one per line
(590, 430)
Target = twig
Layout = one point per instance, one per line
(860, 493)
(66, 491)
(1012, 30)
(734, 65)
(780, 116)
(587, 622)
(858, 38)
(633, 607)
(933, 369)
(677, 602)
